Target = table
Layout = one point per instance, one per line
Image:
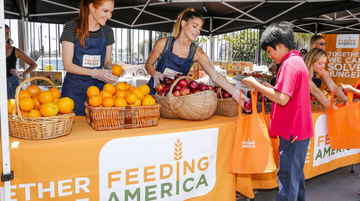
(176, 160)
(320, 159)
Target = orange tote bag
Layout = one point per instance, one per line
(344, 124)
(252, 151)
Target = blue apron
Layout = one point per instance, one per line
(12, 83)
(172, 61)
(75, 86)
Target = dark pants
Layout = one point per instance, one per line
(12, 83)
(291, 170)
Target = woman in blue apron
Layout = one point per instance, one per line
(177, 53)
(12, 54)
(86, 50)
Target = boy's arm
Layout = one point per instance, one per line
(270, 93)
(349, 88)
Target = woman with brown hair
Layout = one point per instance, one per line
(176, 54)
(86, 46)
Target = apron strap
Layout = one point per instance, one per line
(168, 43)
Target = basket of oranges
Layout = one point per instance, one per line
(121, 106)
(37, 115)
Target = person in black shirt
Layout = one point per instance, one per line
(12, 54)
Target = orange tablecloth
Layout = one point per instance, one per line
(320, 159)
(72, 167)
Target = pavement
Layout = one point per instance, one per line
(338, 185)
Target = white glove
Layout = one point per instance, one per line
(104, 75)
(158, 77)
(17, 74)
(244, 99)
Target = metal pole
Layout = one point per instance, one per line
(6, 175)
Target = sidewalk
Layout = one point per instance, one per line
(337, 185)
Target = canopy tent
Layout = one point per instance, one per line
(221, 16)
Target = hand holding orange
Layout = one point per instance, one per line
(117, 70)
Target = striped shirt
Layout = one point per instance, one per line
(69, 33)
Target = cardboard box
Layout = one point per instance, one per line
(202, 74)
(195, 66)
(55, 76)
(193, 74)
(246, 66)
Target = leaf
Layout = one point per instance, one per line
(180, 158)
(175, 158)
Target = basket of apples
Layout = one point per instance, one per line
(226, 106)
(186, 99)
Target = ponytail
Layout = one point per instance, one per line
(187, 15)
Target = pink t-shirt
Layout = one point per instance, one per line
(295, 117)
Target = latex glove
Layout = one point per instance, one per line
(158, 77)
(16, 73)
(104, 75)
(243, 98)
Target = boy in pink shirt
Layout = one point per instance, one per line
(291, 118)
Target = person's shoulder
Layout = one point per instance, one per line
(107, 28)
(71, 23)
(161, 42)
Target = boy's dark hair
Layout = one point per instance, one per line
(276, 33)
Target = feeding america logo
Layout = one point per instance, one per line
(173, 166)
(347, 41)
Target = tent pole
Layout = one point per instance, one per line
(6, 175)
(211, 48)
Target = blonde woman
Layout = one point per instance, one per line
(176, 54)
(315, 61)
(317, 41)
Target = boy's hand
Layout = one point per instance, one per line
(346, 87)
(250, 82)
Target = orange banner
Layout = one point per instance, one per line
(343, 57)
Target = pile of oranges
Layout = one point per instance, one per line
(119, 95)
(36, 103)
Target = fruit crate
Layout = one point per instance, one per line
(116, 118)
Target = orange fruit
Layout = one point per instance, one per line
(117, 70)
(11, 105)
(127, 85)
(120, 102)
(105, 94)
(131, 88)
(92, 91)
(138, 93)
(26, 104)
(110, 87)
(49, 109)
(137, 103)
(130, 98)
(34, 113)
(36, 101)
(120, 94)
(145, 89)
(46, 97)
(108, 102)
(55, 92)
(23, 113)
(24, 94)
(33, 90)
(148, 101)
(55, 100)
(121, 86)
(66, 105)
(95, 100)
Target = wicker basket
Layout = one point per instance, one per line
(115, 118)
(226, 107)
(165, 110)
(197, 106)
(316, 105)
(39, 128)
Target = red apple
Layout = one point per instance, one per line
(196, 91)
(204, 87)
(248, 106)
(162, 93)
(226, 95)
(193, 85)
(177, 88)
(177, 75)
(166, 88)
(183, 83)
(215, 89)
(168, 81)
(163, 84)
(176, 93)
(159, 87)
(184, 91)
(218, 96)
(211, 87)
(245, 74)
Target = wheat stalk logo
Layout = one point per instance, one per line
(178, 150)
